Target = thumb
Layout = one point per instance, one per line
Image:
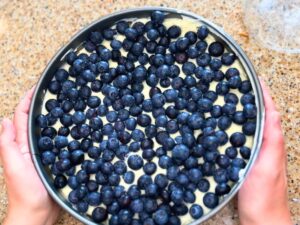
(10, 155)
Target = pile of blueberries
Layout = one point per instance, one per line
(181, 106)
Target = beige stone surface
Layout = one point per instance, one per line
(32, 31)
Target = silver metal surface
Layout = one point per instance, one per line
(102, 23)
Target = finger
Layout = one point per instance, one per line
(269, 104)
(21, 120)
(273, 141)
(11, 157)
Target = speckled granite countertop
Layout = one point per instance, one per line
(31, 32)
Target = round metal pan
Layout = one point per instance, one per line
(105, 22)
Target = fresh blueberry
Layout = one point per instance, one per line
(180, 152)
(157, 17)
(249, 128)
(128, 177)
(224, 122)
(237, 139)
(245, 87)
(222, 88)
(48, 157)
(210, 200)
(149, 168)
(94, 198)
(231, 152)
(164, 161)
(135, 162)
(202, 32)
(245, 152)
(196, 211)
(228, 58)
(45, 143)
(233, 173)
(60, 181)
(249, 111)
(161, 217)
(203, 185)
(174, 31)
(222, 189)
(99, 214)
(203, 59)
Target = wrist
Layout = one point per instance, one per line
(281, 217)
(26, 216)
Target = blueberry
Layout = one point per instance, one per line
(134, 146)
(249, 111)
(239, 118)
(218, 75)
(245, 152)
(238, 162)
(233, 173)
(174, 31)
(245, 87)
(222, 88)
(223, 161)
(203, 59)
(149, 168)
(210, 142)
(203, 185)
(99, 214)
(228, 109)
(60, 181)
(188, 139)
(77, 157)
(82, 207)
(42, 121)
(237, 139)
(231, 152)
(54, 87)
(94, 198)
(249, 128)
(195, 175)
(202, 32)
(157, 17)
(73, 198)
(152, 34)
(114, 179)
(137, 135)
(107, 168)
(232, 72)
(143, 120)
(196, 211)
(92, 185)
(228, 58)
(161, 217)
(234, 82)
(101, 178)
(177, 196)
(45, 143)
(215, 64)
(210, 200)
(208, 168)
(48, 157)
(247, 99)
(231, 98)
(224, 122)
(222, 189)
(135, 162)
(57, 112)
(205, 104)
(164, 161)
(195, 121)
(192, 52)
(78, 117)
(216, 49)
(180, 152)
(161, 181)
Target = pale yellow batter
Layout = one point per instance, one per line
(186, 25)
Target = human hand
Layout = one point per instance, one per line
(28, 200)
(263, 197)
